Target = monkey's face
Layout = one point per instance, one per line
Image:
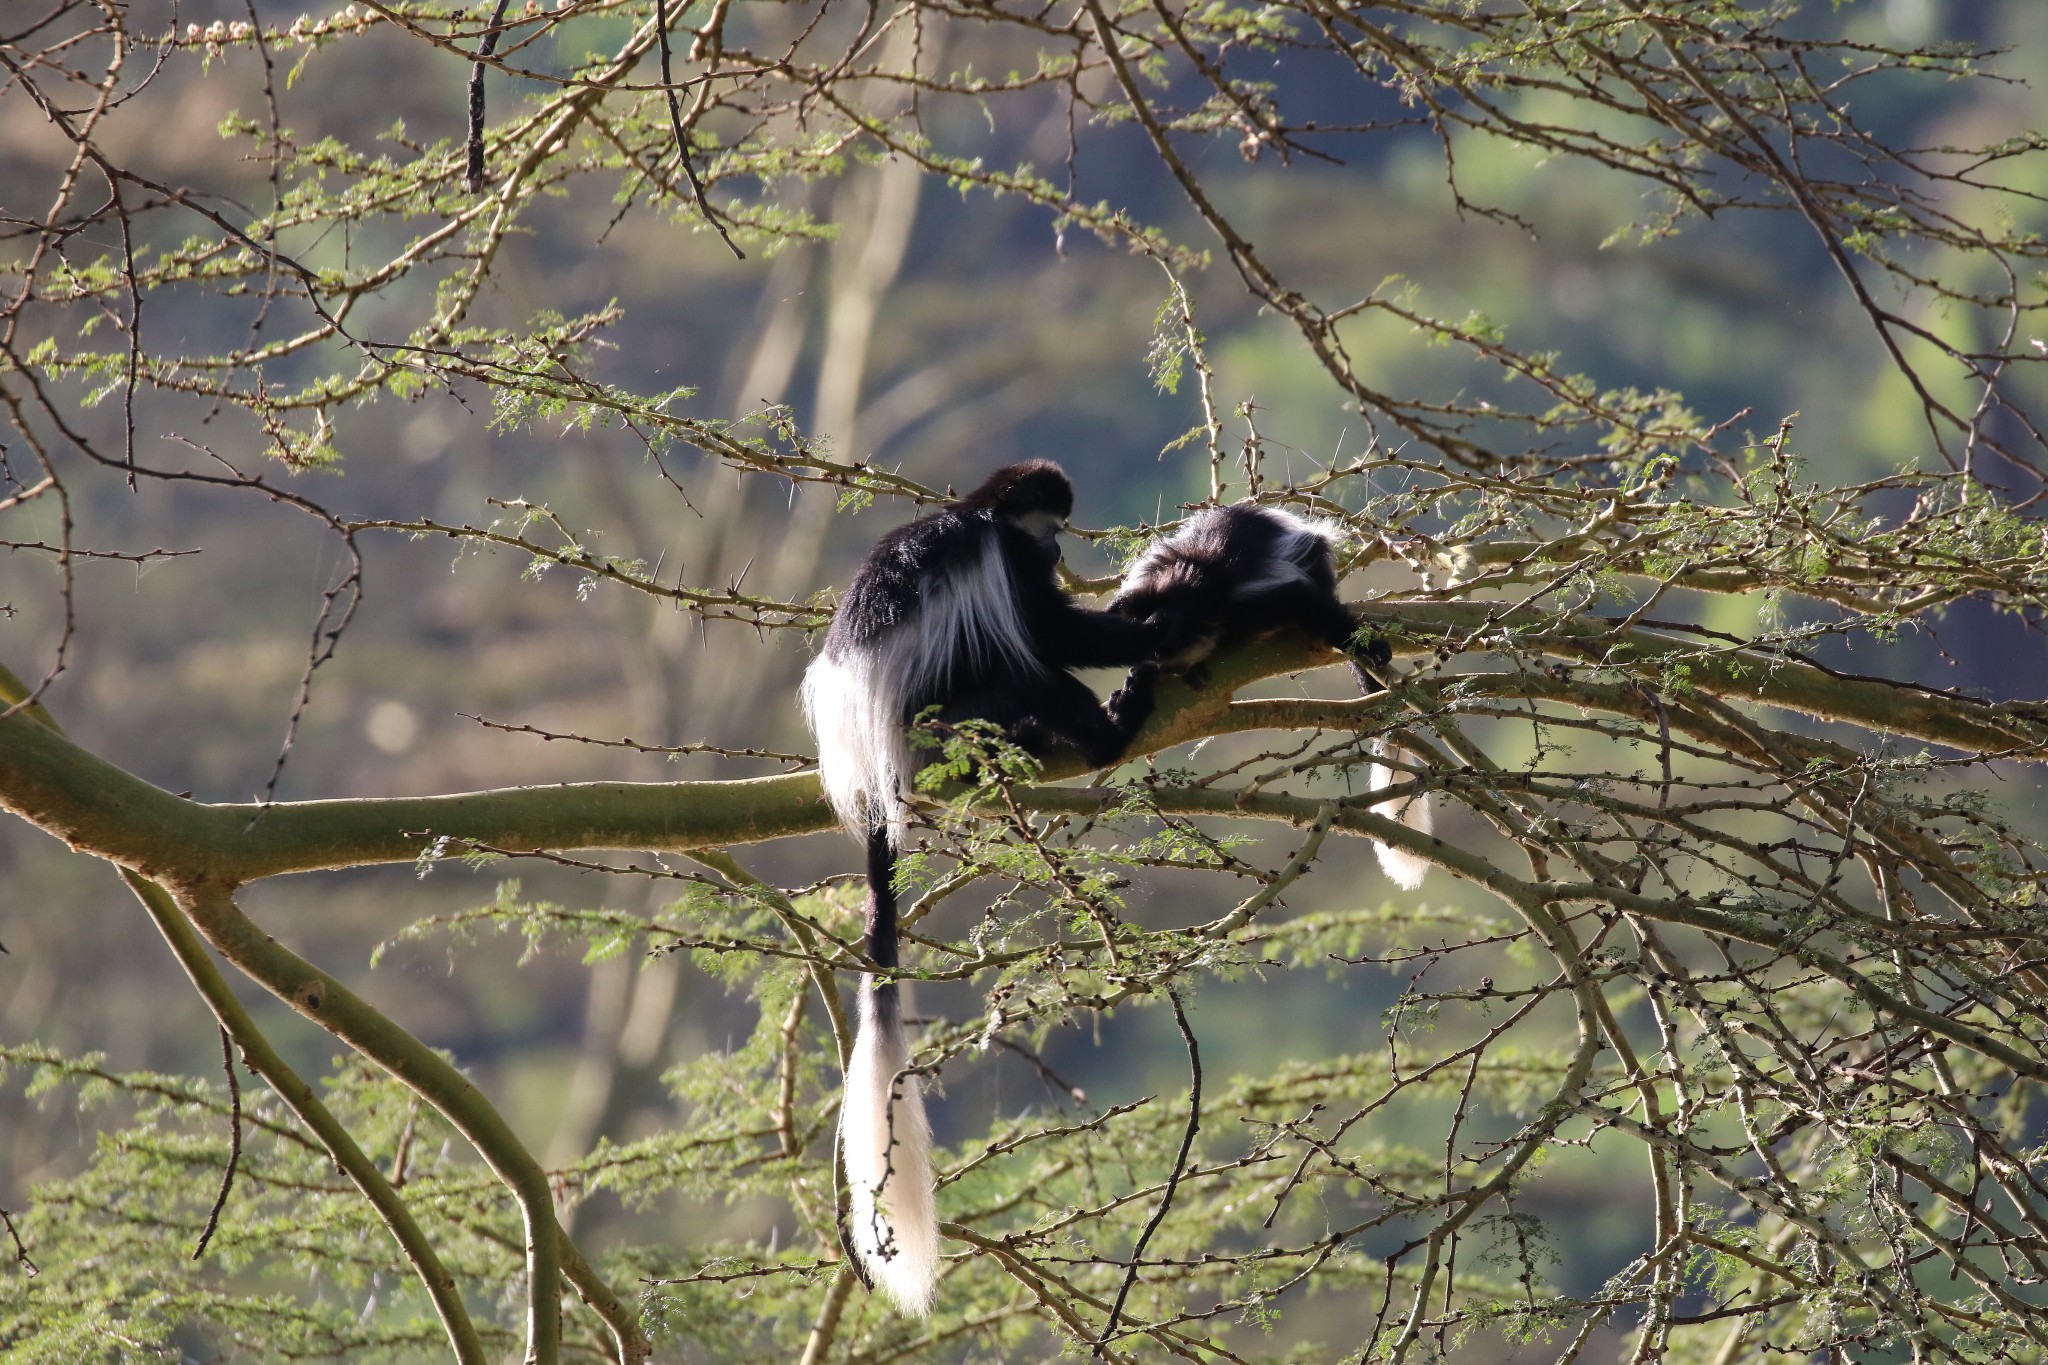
(1043, 526)
(1185, 621)
(1041, 531)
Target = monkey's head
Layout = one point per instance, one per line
(1034, 496)
(1175, 593)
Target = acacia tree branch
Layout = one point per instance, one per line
(671, 816)
(98, 808)
(209, 906)
(264, 1059)
(325, 1001)
(257, 1052)
(1725, 111)
(1173, 1178)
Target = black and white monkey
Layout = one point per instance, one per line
(961, 609)
(1242, 570)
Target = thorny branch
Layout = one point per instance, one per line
(21, 1256)
(1707, 900)
(227, 1176)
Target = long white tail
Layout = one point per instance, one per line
(1405, 868)
(886, 1144)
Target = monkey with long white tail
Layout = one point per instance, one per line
(961, 609)
(1229, 573)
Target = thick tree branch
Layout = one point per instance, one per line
(98, 808)
(299, 1097)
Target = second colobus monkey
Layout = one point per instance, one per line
(1244, 569)
(961, 609)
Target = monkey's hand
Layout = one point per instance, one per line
(1370, 661)
(1130, 706)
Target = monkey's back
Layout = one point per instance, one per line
(899, 571)
(1222, 559)
(934, 613)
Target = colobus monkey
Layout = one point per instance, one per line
(1244, 569)
(960, 609)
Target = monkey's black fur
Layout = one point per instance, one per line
(1243, 570)
(1240, 571)
(961, 609)
(1028, 691)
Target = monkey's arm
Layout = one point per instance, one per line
(1322, 615)
(1075, 637)
(1062, 707)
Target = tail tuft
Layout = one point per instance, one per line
(1404, 868)
(885, 1142)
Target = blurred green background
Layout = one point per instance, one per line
(940, 332)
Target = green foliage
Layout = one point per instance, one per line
(299, 1266)
(1709, 902)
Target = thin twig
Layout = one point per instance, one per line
(21, 1256)
(227, 1179)
(671, 750)
(1180, 1162)
(675, 123)
(474, 176)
